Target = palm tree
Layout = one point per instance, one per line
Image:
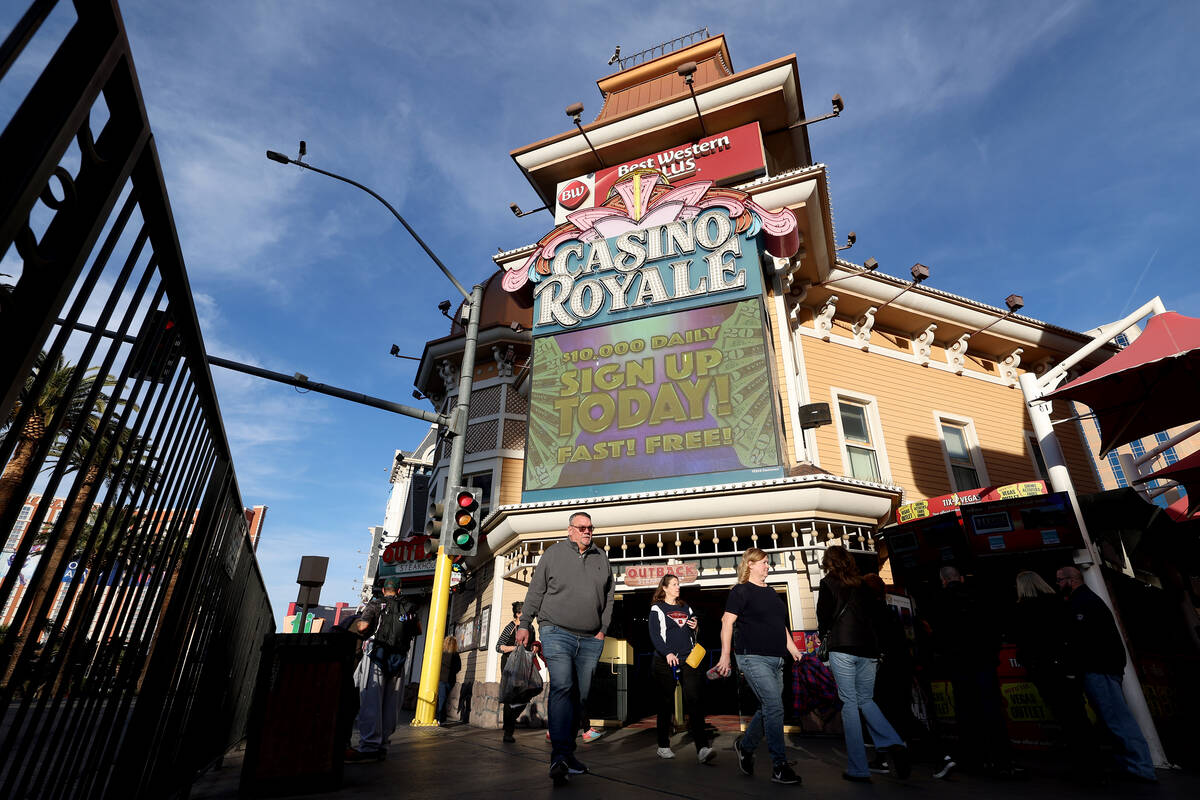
(56, 396)
(42, 408)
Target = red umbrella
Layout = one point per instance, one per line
(1150, 386)
(1186, 472)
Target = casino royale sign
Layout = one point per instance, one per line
(645, 268)
(649, 220)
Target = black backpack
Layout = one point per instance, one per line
(397, 625)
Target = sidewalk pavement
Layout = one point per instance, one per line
(461, 761)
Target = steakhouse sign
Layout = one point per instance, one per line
(651, 359)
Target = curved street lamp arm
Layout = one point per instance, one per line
(466, 295)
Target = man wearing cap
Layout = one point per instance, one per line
(386, 627)
(571, 595)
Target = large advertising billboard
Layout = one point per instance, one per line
(652, 360)
(656, 402)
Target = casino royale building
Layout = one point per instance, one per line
(684, 355)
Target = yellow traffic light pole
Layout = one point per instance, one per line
(431, 664)
(439, 604)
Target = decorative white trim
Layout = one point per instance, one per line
(823, 322)
(877, 441)
(862, 329)
(923, 344)
(794, 390)
(896, 354)
(956, 354)
(976, 452)
(1009, 365)
(810, 436)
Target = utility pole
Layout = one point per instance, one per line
(431, 663)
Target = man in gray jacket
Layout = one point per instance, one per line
(571, 595)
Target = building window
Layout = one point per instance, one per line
(1118, 473)
(1121, 340)
(483, 482)
(1039, 461)
(964, 462)
(1139, 450)
(26, 512)
(861, 457)
(1169, 455)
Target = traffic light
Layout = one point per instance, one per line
(464, 526)
(434, 521)
(158, 348)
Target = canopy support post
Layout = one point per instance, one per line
(1088, 558)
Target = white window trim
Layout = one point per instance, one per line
(968, 426)
(872, 407)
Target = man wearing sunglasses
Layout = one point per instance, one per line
(571, 595)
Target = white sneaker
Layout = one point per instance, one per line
(705, 755)
(666, 752)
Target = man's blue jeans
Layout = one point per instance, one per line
(1105, 693)
(572, 659)
(855, 676)
(764, 674)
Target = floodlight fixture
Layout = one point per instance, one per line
(575, 112)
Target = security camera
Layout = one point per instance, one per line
(516, 209)
(870, 264)
(851, 237)
(575, 111)
(616, 56)
(444, 306)
(838, 104)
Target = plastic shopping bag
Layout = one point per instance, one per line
(520, 681)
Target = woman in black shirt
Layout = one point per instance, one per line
(673, 631)
(763, 643)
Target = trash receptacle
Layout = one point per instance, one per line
(304, 705)
(608, 701)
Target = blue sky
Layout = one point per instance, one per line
(1046, 149)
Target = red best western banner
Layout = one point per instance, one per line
(720, 157)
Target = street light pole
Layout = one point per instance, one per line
(431, 663)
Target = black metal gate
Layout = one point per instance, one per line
(132, 605)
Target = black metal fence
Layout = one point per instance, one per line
(132, 605)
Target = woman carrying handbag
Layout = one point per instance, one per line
(673, 632)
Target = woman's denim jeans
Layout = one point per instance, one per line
(855, 676)
(764, 674)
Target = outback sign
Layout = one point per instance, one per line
(644, 575)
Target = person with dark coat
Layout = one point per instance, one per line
(1096, 653)
(1038, 631)
(967, 641)
(673, 627)
(850, 617)
(894, 678)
